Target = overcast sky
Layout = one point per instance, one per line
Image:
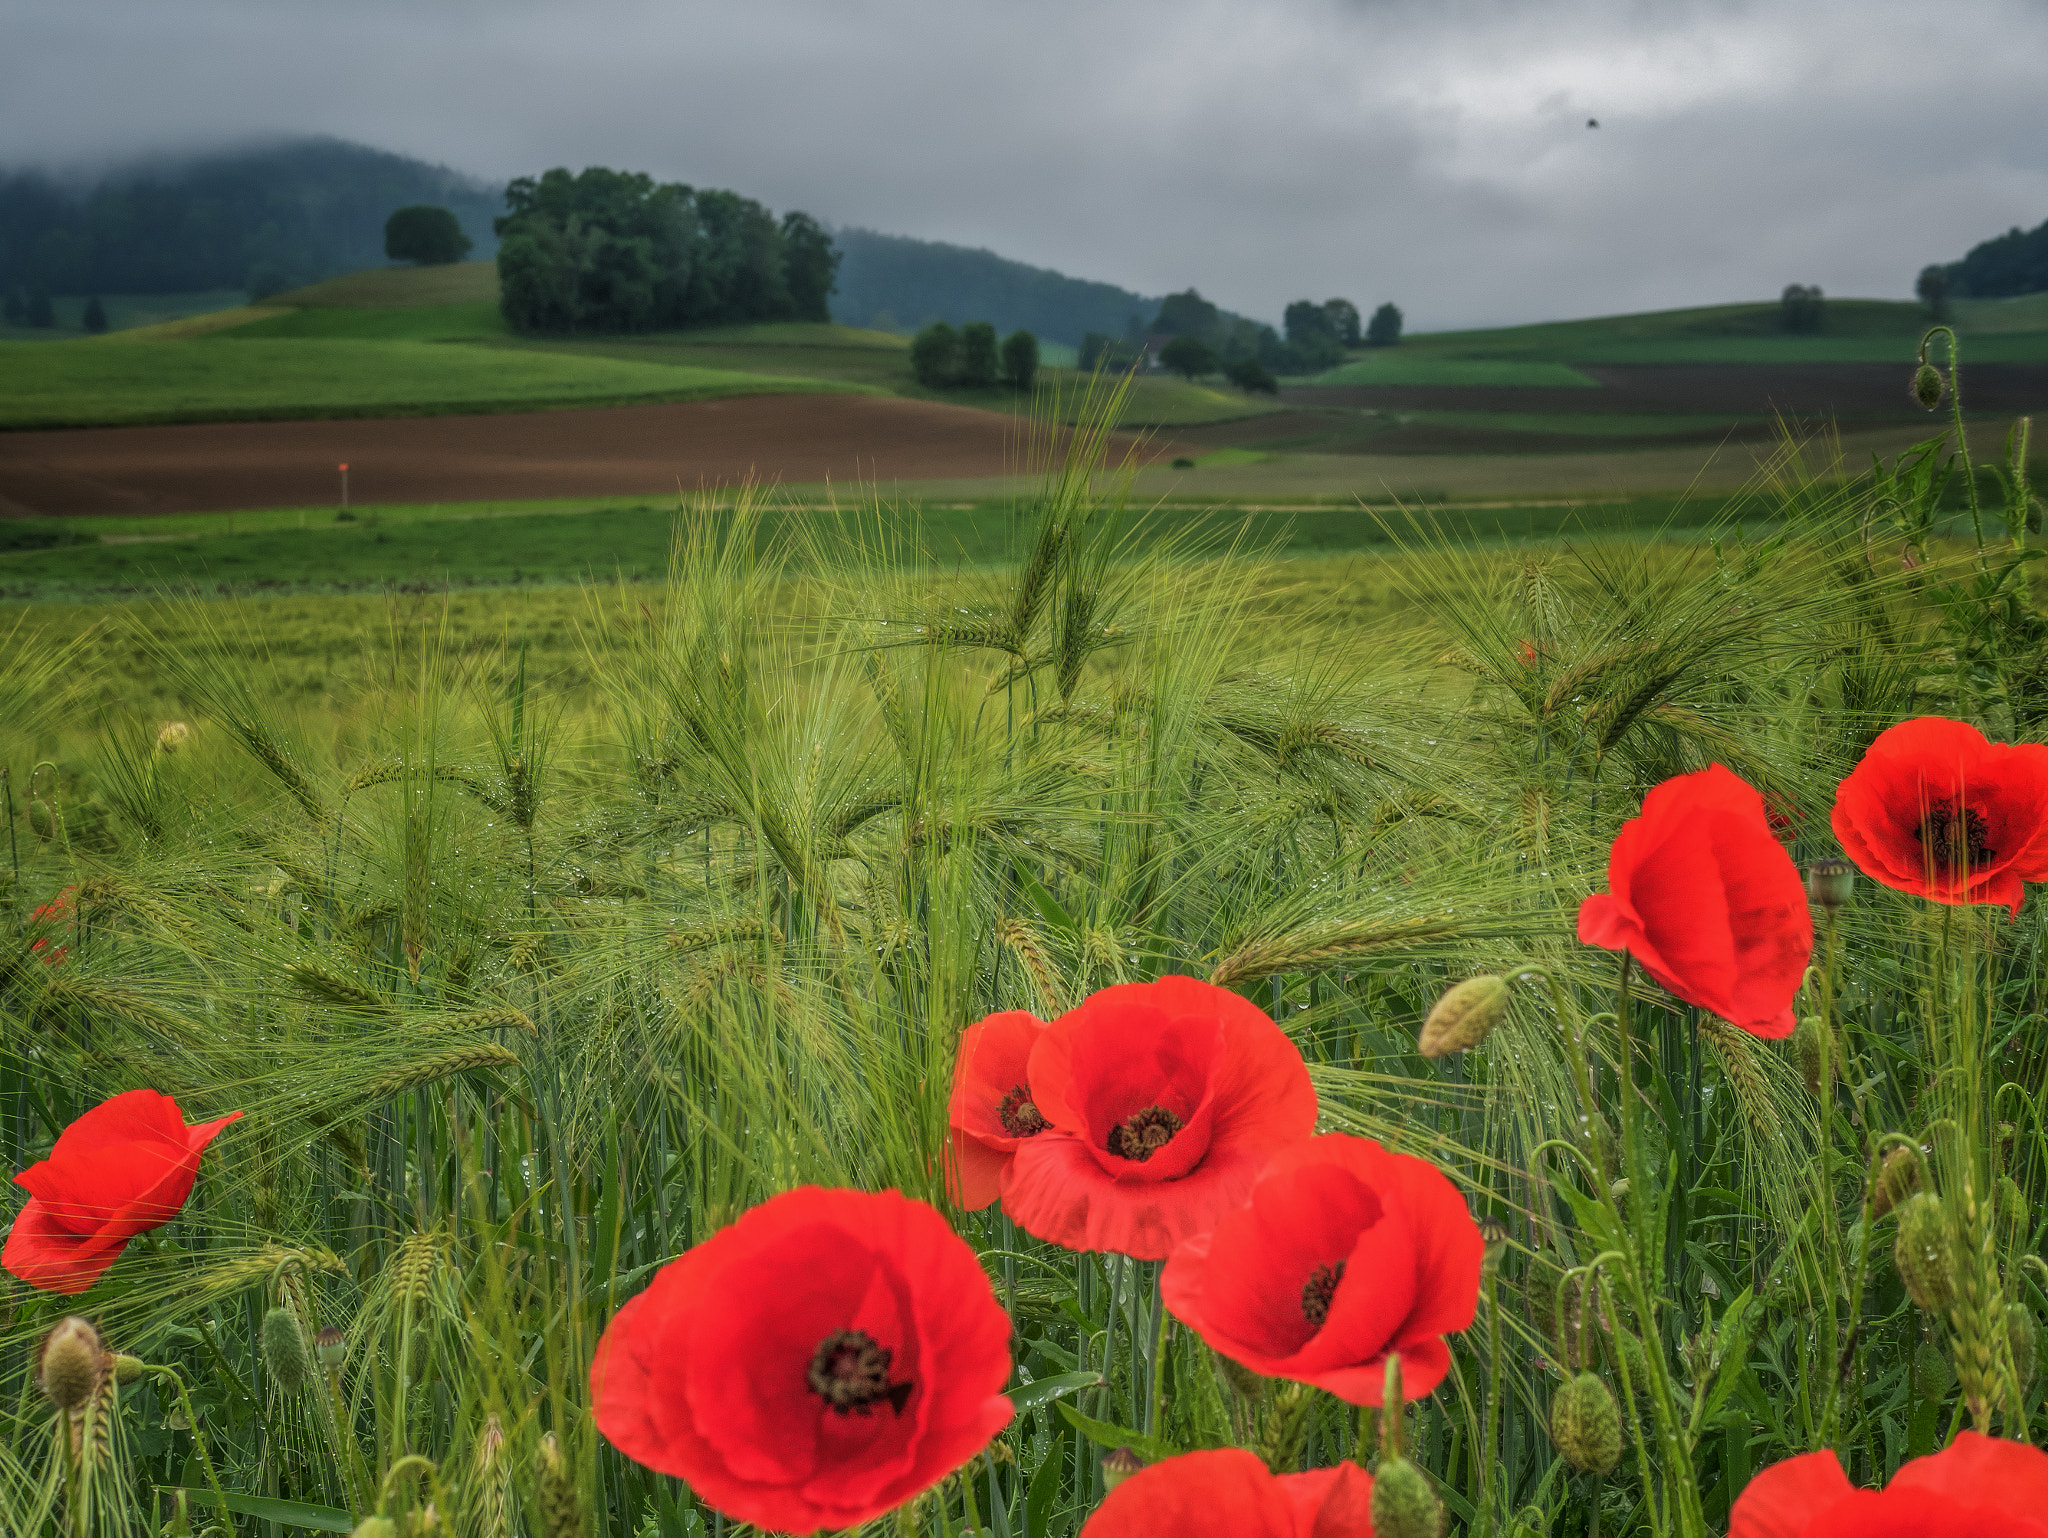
(1435, 153)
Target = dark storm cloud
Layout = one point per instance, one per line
(1262, 150)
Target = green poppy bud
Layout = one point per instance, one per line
(284, 1350)
(70, 1364)
(1829, 882)
(1403, 1503)
(1118, 1465)
(1806, 1046)
(1898, 1177)
(127, 1369)
(2025, 1336)
(1585, 1425)
(1464, 1016)
(42, 822)
(1922, 1253)
(376, 1527)
(1932, 1376)
(1927, 386)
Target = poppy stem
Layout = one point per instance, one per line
(199, 1447)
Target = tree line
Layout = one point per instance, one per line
(971, 359)
(609, 250)
(1203, 340)
(2002, 267)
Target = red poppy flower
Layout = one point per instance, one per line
(991, 1111)
(1164, 1101)
(815, 1364)
(1228, 1493)
(123, 1168)
(51, 915)
(1935, 808)
(1974, 1488)
(1344, 1253)
(1707, 901)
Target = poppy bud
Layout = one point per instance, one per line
(560, 1516)
(2026, 1342)
(376, 1527)
(330, 1346)
(1932, 1376)
(1806, 1046)
(1897, 1178)
(1922, 1253)
(1619, 1189)
(1927, 386)
(2012, 1203)
(1830, 882)
(1585, 1424)
(284, 1350)
(1118, 1465)
(1464, 1016)
(172, 735)
(1403, 1504)
(71, 1363)
(127, 1369)
(42, 822)
(1494, 1234)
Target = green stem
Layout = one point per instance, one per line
(198, 1443)
(1483, 1524)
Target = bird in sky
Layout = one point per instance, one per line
(1592, 122)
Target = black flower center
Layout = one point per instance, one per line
(1317, 1292)
(1952, 838)
(849, 1371)
(1020, 1118)
(1143, 1133)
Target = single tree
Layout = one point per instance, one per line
(40, 314)
(980, 358)
(424, 235)
(1250, 376)
(1308, 324)
(935, 355)
(1020, 360)
(1932, 288)
(1800, 307)
(1342, 316)
(1384, 329)
(810, 265)
(95, 318)
(1188, 356)
(1187, 314)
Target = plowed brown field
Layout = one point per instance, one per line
(618, 451)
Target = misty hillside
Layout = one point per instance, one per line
(260, 218)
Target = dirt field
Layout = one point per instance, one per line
(621, 451)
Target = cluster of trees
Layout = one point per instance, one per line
(612, 250)
(425, 235)
(262, 219)
(971, 358)
(1205, 340)
(1999, 268)
(1801, 307)
(33, 309)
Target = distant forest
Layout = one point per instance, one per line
(263, 219)
(2003, 266)
(894, 283)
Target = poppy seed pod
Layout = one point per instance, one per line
(330, 1346)
(2025, 1336)
(1932, 1376)
(1118, 1465)
(1830, 882)
(1927, 386)
(1495, 1235)
(1922, 1253)
(1585, 1424)
(71, 1363)
(1464, 1016)
(284, 1350)
(1403, 1504)
(1897, 1178)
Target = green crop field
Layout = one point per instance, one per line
(117, 381)
(1406, 366)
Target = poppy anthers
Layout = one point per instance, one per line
(1975, 1487)
(815, 1364)
(123, 1168)
(1936, 808)
(991, 1111)
(1229, 1493)
(1707, 901)
(1344, 1253)
(1163, 1101)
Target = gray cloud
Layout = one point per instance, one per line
(1432, 153)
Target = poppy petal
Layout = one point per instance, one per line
(1228, 1493)
(1780, 1501)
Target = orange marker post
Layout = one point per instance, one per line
(343, 467)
